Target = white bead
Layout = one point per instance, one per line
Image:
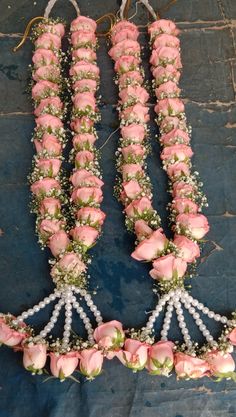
(224, 320)
(42, 304)
(195, 303)
(211, 314)
(217, 317)
(43, 334)
(24, 315)
(205, 310)
(191, 310)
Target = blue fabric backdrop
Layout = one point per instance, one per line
(124, 290)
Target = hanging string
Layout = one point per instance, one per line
(27, 30)
(109, 137)
(165, 8)
(111, 17)
(75, 4)
(122, 9)
(49, 7)
(150, 9)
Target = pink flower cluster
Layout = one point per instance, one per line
(135, 191)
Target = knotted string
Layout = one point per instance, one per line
(52, 3)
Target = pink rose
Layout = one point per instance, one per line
(220, 363)
(189, 250)
(142, 229)
(109, 335)
(10, 337)
(83, 140)
(131, 171)
(82, 125)
(43, 57)
(91, 361)
(84, 178)
(162, 26)
(50, 143)
(58, 242)
(167, 90)
(165, 55)
(64, 365)
(56, 28)
(50, 206)
(134, 355)
(83, 159)
(48, 41)
(169, 107)
(130, 78)
(83, 37)
(125, 47)
(71, 264)
(189, 367)
(232, 337)
(166, 40)
(138, 207)
(49, 167)
(131, 189)
(137, 93)
(178, 169)
(44, 88)
(83, 23)
(177, 152)
(122, 25)
(151, 247)
(54, 102)
(82, 67)
(160, 358)
(168, 267)
(92, 216)
(184, 205)
(87, 195)
(181, 189)
(84, 54)
(85, 84)
(48, 121)
(135, 114)
(133, 150)
(133, 132)
(34, 356)
(126, 63)
(165, 74)
(44, 186)
(47, 72)
(86, 235)
(174, 136)
(47, 227)
(196, 224)
(131, 34)
(82, 101)
(169, 123)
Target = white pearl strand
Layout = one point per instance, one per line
(182, 324)
(151, 321)
(167, 320)
(54, 317)
(85, 319)
(93, 308)
(68, 299)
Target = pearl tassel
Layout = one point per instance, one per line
(49, 326)
(182, 324)
(167, 320)
(85, 319)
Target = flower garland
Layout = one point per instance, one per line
(169, 258)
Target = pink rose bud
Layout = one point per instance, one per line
(49, 167)
(133, 132)
(167, 90)
(48, 41)
(135, 114)
(131, 34)
(84, 54)
(87, 195)
(126, 63)
(221, 364)
(132, 171)
(160, 358)
(71, 264)
(122, 25)
(85, 84)
(50, 143)
(50, 206)
(64, 365)
(83, 23)
(47, 227)
(177, 152)
(170, 123)
(44, 88)
(42, 57)
(131, 189)
(54, 102)
(175, 136)
(58, 243)
(138, 207)
(83, 158)
(162, 26)
(83, 37)
(166, 55)
(11, 337)
(169, 107)
(166, 40)
(34, 356)
(109, 335)
(181, 190)
(142, 229)
(195, 224)
(178, 169)
(86, 235)
(125, 47)
(168, 267)
(48, 121)
(90, 215)
(190, 367)
(58, 28)
(232, 337)
(91, 361)
(151, 247)
(84, 140)
(165, 74)
(84, 101)
(82, 125)
(44, 186)
(84, 68)
(134, 355)
(136, 93)
(130, 78)
(189, 250)
(84, 178)
(47, 72)
(133, 150)
(184, 205)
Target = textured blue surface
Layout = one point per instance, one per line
(124, 290)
